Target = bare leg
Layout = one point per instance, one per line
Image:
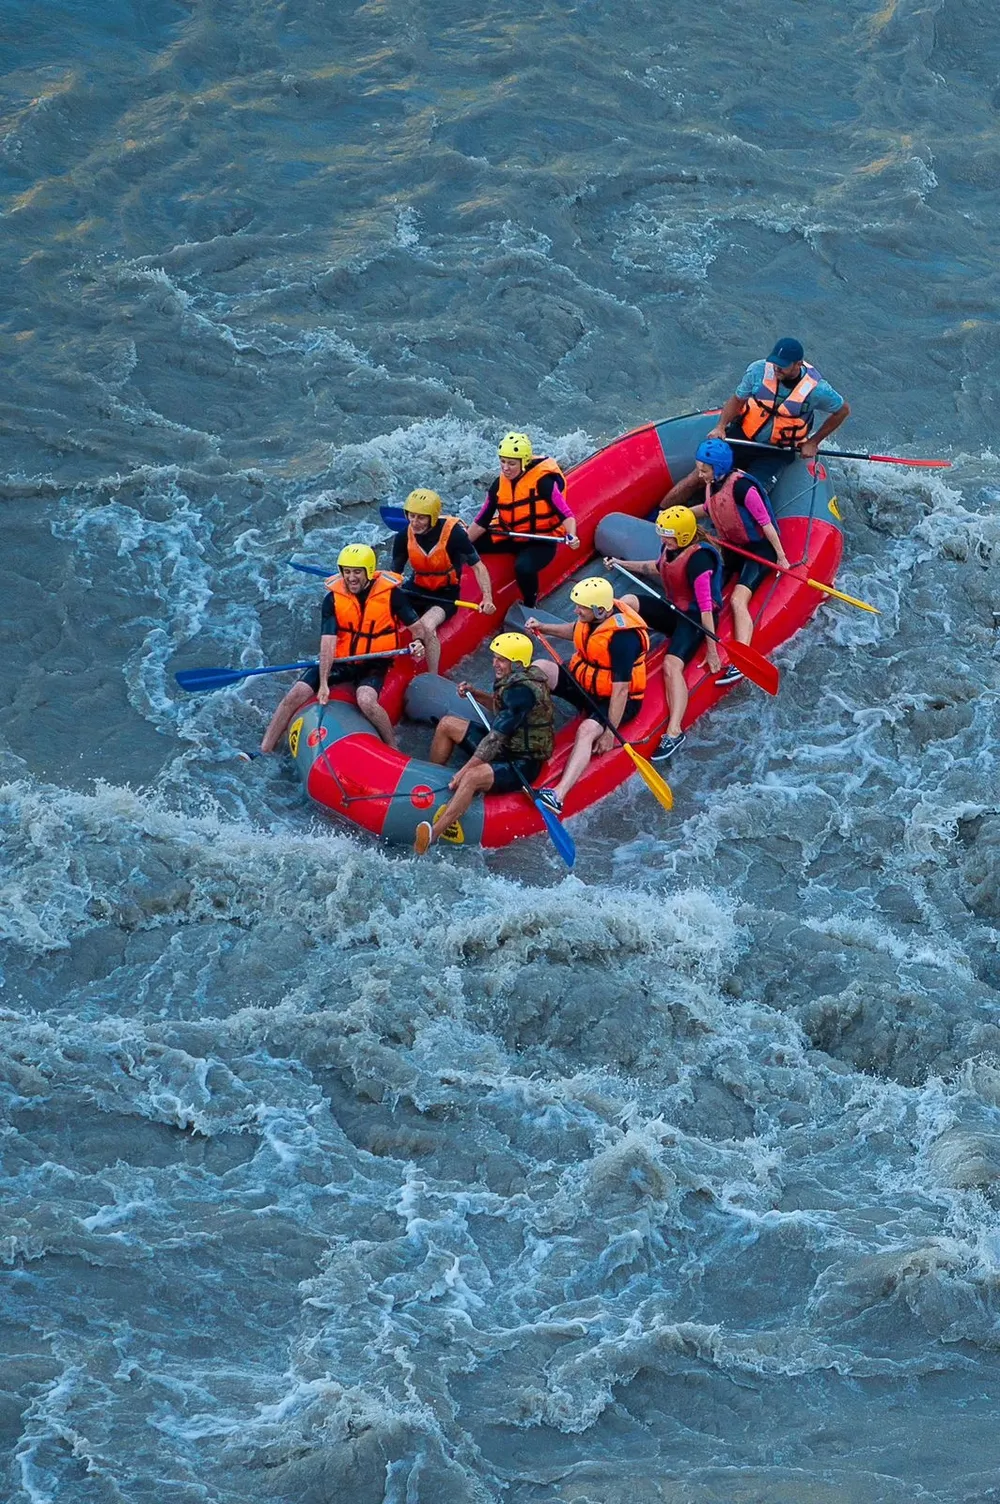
(470, 782)
(740, 602)
(448, 733)
(425, 630)
(549, 669)
(588, 732)
(372, 711)
(282, 718)
(677, 692)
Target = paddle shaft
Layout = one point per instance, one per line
(840, 595)
(846, 454)
(428, 595)
(499, 532)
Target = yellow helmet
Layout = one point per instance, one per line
(513, 646)
(596, 593)
(680, 521)
(424, 504)
(357, 556)
(515, 446)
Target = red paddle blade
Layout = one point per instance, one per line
(754, 666)
(894, 459)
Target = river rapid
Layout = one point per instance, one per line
(332, 1178)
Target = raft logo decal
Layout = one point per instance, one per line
(319, 734)
(421, 797)
(294, 732)
(832, 506)
(454, 833)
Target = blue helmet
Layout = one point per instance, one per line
(717, 453)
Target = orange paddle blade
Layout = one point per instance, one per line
(754, 666)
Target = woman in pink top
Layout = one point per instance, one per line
(740, 512)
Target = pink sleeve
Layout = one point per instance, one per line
(559, 501)
(754, 503)
(703, 591)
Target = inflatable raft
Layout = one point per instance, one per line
(346, 768)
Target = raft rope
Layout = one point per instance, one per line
(358, 798)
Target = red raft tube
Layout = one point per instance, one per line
(346, 768)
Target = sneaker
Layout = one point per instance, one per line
(669, 746)
(551, 800)
(730, 674)
(422, 837)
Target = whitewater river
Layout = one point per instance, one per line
(329, 1178)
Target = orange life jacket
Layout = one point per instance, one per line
(590, 664)
(432, 570)
(371, 628)
(730, 518)
(790, 424)
(520, 509)
(673, 573)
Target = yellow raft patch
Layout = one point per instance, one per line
(454, 833)
(833, 507)
(294, 732)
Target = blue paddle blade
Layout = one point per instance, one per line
(561, 838)
(394, 518)
(194, 680)
(324, 574)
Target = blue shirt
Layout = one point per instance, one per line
(822, 399)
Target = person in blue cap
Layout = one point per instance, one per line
(777, 401)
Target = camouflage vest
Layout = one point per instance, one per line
(536, 737)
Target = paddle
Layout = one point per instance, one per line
(500, 532)
(657, 786)
(751, 664)
(839, 595)
(849, 454)
(195, 680)
(425, 595)
(561, 838)
(395, 518)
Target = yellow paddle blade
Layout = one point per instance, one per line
(850, 599)
(656, 785)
